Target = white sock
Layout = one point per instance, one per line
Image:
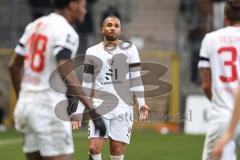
(95, 156)
(117, 157)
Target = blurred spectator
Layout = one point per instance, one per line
(2, 127)
(39, 7)
(205, 13)
(188, 10)
(218, 13)
(184, 5)
(86, 29)
(195, 38)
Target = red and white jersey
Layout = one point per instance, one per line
(220, 51)
(40, 43)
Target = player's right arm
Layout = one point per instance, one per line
(204, 69)
(228, 135)
(205, 74)
(16, 70)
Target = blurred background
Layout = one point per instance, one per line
(168, 32)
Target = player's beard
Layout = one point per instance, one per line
(111, 37)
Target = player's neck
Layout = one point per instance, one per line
(107, 43)
(66, 15)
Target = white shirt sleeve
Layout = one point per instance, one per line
(133, 56)
(65, 40)
(135, 75)
(204, 61)
(22, 44)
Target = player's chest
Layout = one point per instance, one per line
(111, 63)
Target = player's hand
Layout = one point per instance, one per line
(98, 123)
(143, 116)
(76, 124)
(221, 144)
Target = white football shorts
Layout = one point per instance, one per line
(42, 130)
(118, 128)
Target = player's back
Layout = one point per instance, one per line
(223, 48)
(42, 40)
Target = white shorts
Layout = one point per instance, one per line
(212, 137)
(42, 130)
(118, 128)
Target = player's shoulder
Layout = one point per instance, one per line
(125, 44)
(215, 34)
(130, 44)
(95, 49)
(60, 24)
(31, 25)
(129, 47)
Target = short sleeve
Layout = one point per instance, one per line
(65, 40)
(87, 59)
(133, 55)
(22, 43)
(204, 61)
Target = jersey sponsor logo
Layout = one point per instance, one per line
(70, 41)
(111, 77)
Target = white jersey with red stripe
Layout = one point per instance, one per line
(220, 51)
(40, 43)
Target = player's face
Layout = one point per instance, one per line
(111, 29)
(80, 10)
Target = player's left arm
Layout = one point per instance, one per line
(87, 85)
(204, 68)
(17, 62)
(136, 82)
(228, 135)
(64, 50)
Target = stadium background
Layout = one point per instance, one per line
(168, 32)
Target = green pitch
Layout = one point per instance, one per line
(144, 146)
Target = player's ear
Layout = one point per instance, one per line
(120, 28)
(226, 21)
(102, 31)
(120, 31)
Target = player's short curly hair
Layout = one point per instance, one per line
(60, 4)
(232, 10)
